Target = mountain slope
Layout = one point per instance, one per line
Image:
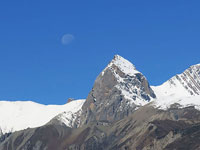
(15, 116)
(118, 91)
(147, 128)
(182, 90)
(184, 84)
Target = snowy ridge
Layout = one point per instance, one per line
(170, 88)
(184, 84)
(183, 89)
(19, 115)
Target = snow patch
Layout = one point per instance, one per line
(166, 102)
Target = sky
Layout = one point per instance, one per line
(51, 50)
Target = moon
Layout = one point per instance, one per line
(67, 39)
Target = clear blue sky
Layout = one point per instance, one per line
(37, 62)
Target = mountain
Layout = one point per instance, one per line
(19, 115)
(121, 112)
(147, 128)
(182, 89)
(118, 91)
(184, 84)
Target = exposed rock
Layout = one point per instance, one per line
(117, 92)
(70, 100)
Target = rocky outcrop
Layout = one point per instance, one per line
(117, 92)
(70, 100)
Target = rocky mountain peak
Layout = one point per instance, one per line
(118, 91)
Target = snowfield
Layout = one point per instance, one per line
(165, 102)
(19, 115)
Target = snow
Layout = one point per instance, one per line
(18, 115)
(170, 88)
(124, 65)
(66, 118)
(128, 94)
(127, 89)
(183, 89)
(165, 102)
(168, 94)
(184, 84)
(69, 118)
(171, 92)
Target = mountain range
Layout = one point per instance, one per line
(121, 112)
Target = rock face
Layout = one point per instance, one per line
(117, 92)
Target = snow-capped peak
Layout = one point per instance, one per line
(183, 89)
(184, 84)
(117, 91)
(129, 80)
(124, 65)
